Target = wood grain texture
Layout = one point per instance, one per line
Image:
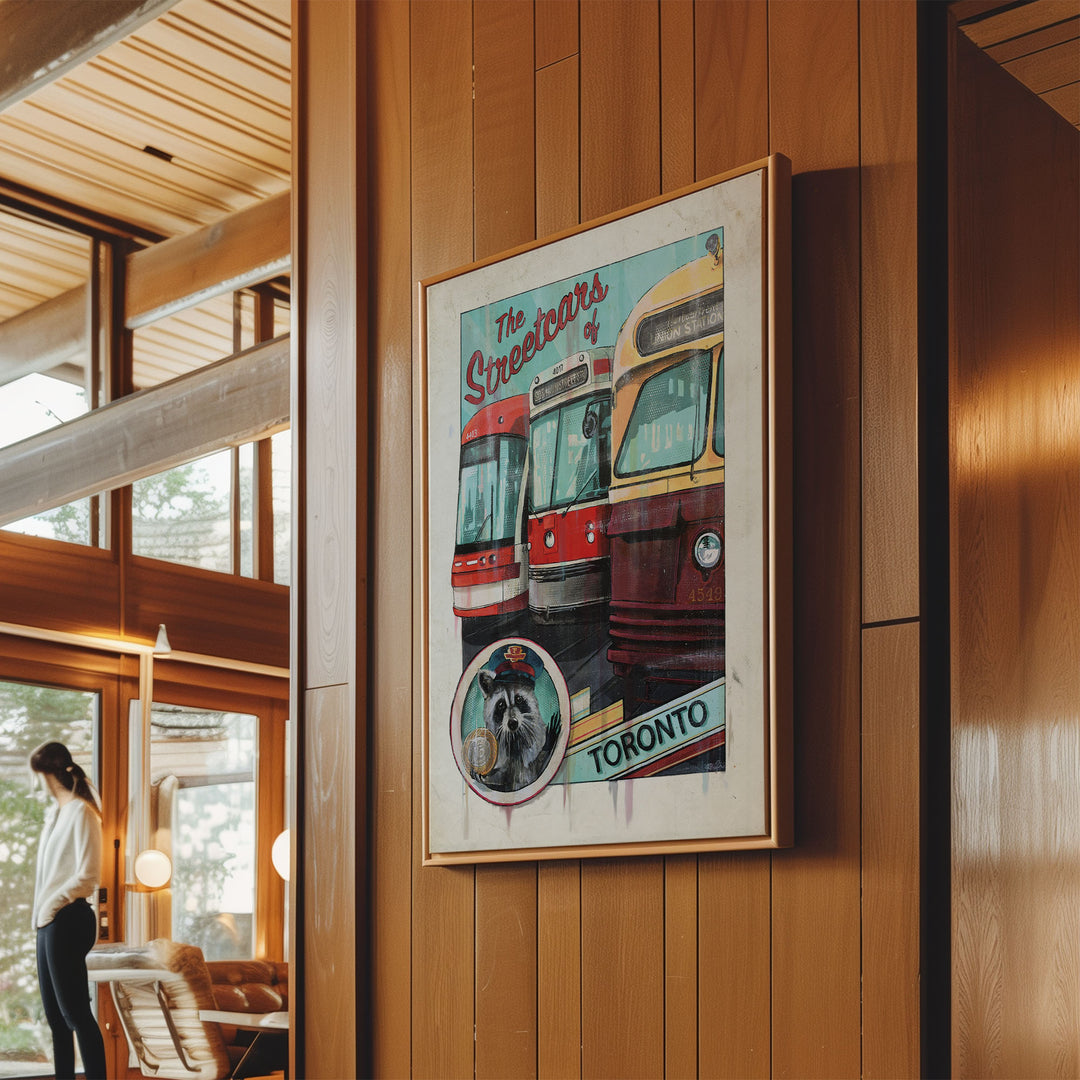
(557, 147)
(237, 400)
(503, 126)
(59, 586)
(216, 614)
(1049, 68)
(559, 970)
(327, 179)
(676, 94)
(620, 133)
(816, 926)
(731, 83)
(55, 39)
(681, 965)
(556, 31)
(329, 883)
(734, 928)
(330, 193)
(391, 647)
(443, 953)
(889, 201)
(622, 968)
(1014, 526)
(231, 250)
(890, 863)
(506, 976)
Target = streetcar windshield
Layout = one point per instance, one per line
(489, 489)
(667, 423)
(570, 451)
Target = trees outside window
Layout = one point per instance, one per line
(29, 716)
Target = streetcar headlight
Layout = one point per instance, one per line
(707, 549)
(590, 537)
(549, 539)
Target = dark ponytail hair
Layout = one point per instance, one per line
(54, 759)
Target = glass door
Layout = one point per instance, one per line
(31, 714)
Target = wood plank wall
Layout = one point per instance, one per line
(493, 122)
(1015, 535)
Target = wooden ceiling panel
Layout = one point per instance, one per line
(1038, 42)
(180, 343)
(207, 83)
(1012, 20)
(1034, 42)
(206, 86)
(1050, 68)
(39, 262)
(1067, 102)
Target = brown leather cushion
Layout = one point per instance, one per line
(250, 985)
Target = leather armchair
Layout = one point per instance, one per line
(159, 989)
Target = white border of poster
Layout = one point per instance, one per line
(486, 797)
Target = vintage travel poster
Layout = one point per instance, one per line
(594, 466)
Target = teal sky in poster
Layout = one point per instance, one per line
(607, 293)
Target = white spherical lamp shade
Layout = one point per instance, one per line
(153, 868)
(280, 854)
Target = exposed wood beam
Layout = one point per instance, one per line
(236, 400)
(243, 249)
(45, 336)
(42, 41)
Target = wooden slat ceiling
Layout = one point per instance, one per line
(1038, 42)
(172, 128)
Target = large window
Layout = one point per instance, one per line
(203, 814)
(29, 716)
(204, 513)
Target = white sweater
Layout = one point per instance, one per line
(68, 860)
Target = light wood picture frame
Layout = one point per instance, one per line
(604, 509)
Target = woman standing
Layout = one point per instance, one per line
(68, 868)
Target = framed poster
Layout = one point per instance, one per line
(604, 507)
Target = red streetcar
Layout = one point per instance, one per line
(570, 470)
(490, 568)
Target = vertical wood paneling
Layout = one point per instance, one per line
(327, 176)
(504, 215)
(742, 964)
(731, 81)
(330, 389)
(622, 968)
(734, 1029)
(506, 977)
(503, 125)
(676, 94)
(556, 31)
(814, 118)
(889, 313)
(890, 946)
(559, 970)
(681, 965)
(557, 187)
(443, 953)
(620, 130)
(329, 929)
(1014, 279)
(391, 647)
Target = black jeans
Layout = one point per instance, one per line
(65, 991)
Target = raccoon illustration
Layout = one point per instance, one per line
(525, 741)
